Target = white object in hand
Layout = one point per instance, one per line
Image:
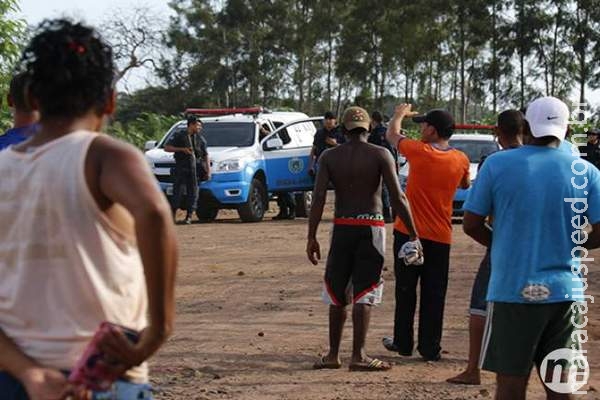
(411, 253)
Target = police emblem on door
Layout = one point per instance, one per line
(296, 165)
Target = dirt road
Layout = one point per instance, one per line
(250, 322)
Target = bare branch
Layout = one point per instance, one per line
(135, 35)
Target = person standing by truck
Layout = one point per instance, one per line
(191, 164)
(327, 137)
(377, 137)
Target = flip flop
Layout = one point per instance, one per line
(374, 365)
(323, 364)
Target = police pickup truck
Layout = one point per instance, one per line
(254, 154)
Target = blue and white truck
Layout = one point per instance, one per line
(248, 164)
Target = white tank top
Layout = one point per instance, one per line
(64, 268)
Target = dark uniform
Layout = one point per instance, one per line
(287, 205)
(377, 137)
(189, 169)
(319, 143)
(592, 153)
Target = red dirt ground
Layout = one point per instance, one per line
(250, 322)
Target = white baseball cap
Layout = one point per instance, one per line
(548, 116)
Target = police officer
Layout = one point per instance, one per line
(325, 138)
(592, 147)
(377, 137)
(191, 164)
(287, 206)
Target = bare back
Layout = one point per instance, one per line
(356, 169)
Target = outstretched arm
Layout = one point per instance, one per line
(398, 198)
(313, 250)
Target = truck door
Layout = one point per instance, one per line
(286, 152)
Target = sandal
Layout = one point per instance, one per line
(323, 364)
(373, 366)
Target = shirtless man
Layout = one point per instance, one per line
(357, 250)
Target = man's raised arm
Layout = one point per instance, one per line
(398, 199)
(394, 131)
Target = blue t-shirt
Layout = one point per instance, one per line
(16, 135)
(569, 148)
(525, 190)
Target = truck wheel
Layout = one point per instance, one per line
(207, 214)
(254, 209)
(303, 204)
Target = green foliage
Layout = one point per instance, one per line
(474, 57)
(5, 119)
(12, 37)
(147, 126)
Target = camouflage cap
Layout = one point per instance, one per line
(356, 117)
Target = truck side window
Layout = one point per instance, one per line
(285, 136)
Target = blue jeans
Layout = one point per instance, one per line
(11, 389)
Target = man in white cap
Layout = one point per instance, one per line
(542, 201)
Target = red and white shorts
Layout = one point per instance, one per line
(355, 261)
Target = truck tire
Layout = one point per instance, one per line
(207, 214)
(256, 205)
(303, 204)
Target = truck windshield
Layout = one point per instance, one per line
(222, 134)
(475, 149)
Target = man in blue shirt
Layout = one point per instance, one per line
(24, 118)
(542, 201)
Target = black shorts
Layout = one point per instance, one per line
(355, 262)
(519, 335)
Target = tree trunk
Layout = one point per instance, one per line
(309, 106)
(555, 51)
(463, 107)
(375, 75)
(406, 85)
(582, 24)
(494, 60)
(301, 66)
(382, 86)
(412, 86)
(339, 97)
(521, 17)
(430, 78)
(582, 78)
(454, 90)
(329, 58)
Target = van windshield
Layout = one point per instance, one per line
(222, 134)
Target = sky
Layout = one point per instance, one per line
(33, 11)
(93, 12)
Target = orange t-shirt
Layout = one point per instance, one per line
(433, 178)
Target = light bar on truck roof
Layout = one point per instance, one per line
(473, 127)
(225, 111)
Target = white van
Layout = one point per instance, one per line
(246, 169)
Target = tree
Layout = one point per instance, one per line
(135, 36)
(12, 38)
(585, 39)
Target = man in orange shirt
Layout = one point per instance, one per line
(436, 171)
